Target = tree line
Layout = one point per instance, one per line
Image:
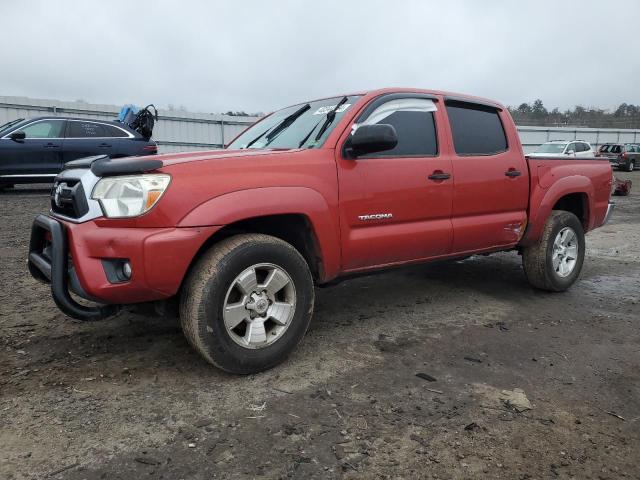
(536, 114)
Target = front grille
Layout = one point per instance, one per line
(68, 198)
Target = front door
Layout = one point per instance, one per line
(38, 155)
(395, 205)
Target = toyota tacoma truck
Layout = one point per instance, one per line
(238, 238)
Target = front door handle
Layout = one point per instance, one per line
(438, 175)
(512, 172)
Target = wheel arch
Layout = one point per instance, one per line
(300, 216)
(574, 194)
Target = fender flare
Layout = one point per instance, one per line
(546, 199)
(260, 202)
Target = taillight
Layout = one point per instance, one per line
(623, 155)
(151, 148)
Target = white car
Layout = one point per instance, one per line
(555, 148)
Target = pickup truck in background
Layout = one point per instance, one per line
(238, 238)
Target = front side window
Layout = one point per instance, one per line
(44, 129)
(414, 122)
(570, 148)
(476, 129)
(299, 126)
(85, 130)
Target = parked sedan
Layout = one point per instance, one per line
(35, 150)
(625, 156)
(573, 148)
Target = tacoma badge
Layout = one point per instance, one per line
(375, 216)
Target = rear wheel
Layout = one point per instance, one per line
(247, 303)
(555, 261)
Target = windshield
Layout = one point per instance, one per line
(551, 148)
(295, 127)
(8, 125)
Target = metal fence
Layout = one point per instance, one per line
(531, 137)
(179, 130)
(176, 130)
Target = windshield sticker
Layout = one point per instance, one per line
(327, 108)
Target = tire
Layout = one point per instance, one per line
(538, 259)
(630, 166)
(219, 279)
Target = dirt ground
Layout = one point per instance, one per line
(127, 398)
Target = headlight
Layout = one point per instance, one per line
(129, 196)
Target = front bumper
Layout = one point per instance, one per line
(72, 257)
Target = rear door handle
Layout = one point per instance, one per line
(513, 173)
(105, 145)
(439, 176)
(51, 145)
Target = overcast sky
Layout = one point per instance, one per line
(253, 55)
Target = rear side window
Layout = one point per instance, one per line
(115, 132)
(615, 149)
(414, 123)
(85, 130)
(476, 129)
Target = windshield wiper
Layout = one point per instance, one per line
(330, 117)
(284, 124)
(331, 114)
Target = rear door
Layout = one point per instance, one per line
(491, 182)
(84, 138)
(582, 150)
(39, 154)
(390, 209)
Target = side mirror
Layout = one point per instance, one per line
(571, 152)
(373, 138)
(18, 136)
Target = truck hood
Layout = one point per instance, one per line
(185, 157)
(182, 157)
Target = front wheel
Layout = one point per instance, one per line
(555, 261)
(247, 303)
(630, 166)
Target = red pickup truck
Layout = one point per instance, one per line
(311, 193)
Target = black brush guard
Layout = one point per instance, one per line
(49, 263)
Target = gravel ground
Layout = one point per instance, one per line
(127, 398)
